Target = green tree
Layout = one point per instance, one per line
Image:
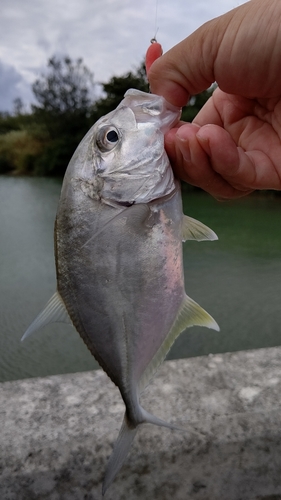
(115, 89)
(65, 88)
(22, 140)
(65, 95)
(18, 106)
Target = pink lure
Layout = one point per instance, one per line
(153, 52)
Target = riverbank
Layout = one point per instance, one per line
(57, 433)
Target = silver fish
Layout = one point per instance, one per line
(118, 243)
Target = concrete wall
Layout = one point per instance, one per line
(57, 433)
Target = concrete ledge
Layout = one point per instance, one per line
(57, 433)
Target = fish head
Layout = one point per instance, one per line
(122, 159)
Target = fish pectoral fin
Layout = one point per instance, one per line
(132, 215)
(190, 314)
(136, 215)
(192, 229)
(54, 312)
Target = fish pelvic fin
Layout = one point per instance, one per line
(190, 314)
(54, 312)
(123, 444)
(192, 229)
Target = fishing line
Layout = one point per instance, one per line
(155, 49)
(156, 28)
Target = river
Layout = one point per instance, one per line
(236, 279)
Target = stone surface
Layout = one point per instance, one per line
(57, 433)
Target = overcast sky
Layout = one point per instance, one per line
(110, 35)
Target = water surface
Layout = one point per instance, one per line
(236, 279)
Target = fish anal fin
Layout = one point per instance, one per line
(190, 314)
(193, 229)
(54, 312)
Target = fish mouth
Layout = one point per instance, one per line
(153, 108)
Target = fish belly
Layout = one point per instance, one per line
(121, 279)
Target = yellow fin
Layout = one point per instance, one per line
(190, 314)
(192, 229)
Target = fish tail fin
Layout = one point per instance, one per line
(120, 452)
(124, 441)
(148, 418)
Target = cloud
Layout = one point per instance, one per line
(12, 85)
(110, 35)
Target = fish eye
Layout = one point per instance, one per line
(107, 138)
(112, 136)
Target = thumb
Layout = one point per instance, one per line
(214, 52)
(187, 68)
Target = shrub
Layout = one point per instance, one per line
(19, 150)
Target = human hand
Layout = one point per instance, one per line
(233, 145)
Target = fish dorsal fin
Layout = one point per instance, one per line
(192, 229)
(190, 314)
(54, 312)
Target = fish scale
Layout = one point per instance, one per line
(118, 245)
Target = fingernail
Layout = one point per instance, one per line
(183, 146)
(201, 136)
(181, 135)
(203, 139)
